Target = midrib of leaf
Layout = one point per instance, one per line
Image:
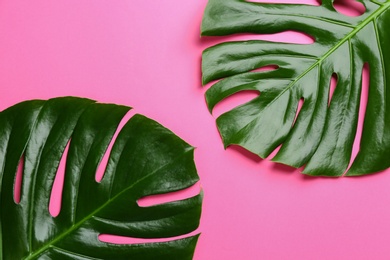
(366, 21)
(77, 225)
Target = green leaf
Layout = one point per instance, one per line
(322, 136)
(145, 159)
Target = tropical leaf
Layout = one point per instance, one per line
(321, 138)
(145, 159)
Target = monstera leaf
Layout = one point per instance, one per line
(145, 159)
(322, 136)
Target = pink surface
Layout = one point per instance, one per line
(146, 54)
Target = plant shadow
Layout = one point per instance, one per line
(245, 153)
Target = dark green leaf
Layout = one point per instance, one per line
(146, 159)
(322, 136)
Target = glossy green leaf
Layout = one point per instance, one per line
(145, 159)
(322, 136)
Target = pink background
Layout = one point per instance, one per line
(146, 54)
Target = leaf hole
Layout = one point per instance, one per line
(362, 112)
(266, 68)
(332, 87)
(306, 2)
(288, 36)
(301, 101)
(104, 161)
(234, 100)
(349, 7)
(18, 180)
(58, 185)
(157, 199)
(122, 240)
(299, 107)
